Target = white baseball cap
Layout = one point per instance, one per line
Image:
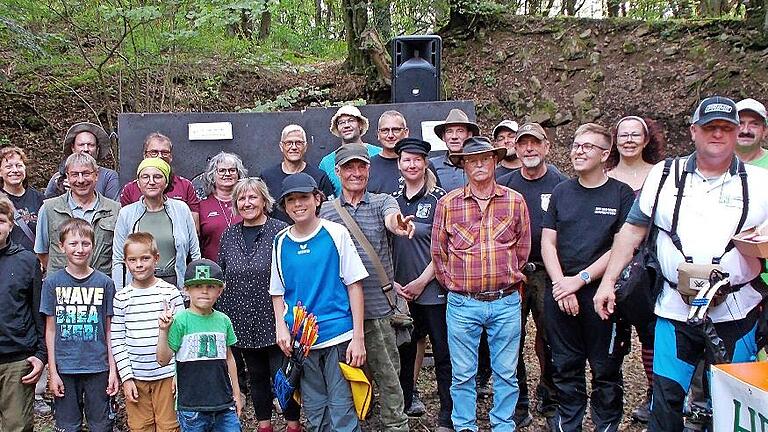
(754, 106)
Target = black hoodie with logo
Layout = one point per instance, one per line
(21, 325)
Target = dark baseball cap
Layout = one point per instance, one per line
(413, 145)
(203, 271)
(299, 182)
(715, 108)
(348, 152)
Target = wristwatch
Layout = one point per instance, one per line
(584, 275)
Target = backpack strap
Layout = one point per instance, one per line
(744, 208)
(664, 175)
(676, 213)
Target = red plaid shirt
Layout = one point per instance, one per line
(475, 251)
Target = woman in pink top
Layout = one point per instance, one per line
(216, 215)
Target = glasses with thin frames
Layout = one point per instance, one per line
(478, 160)
(295, 144)
(634, 136)
(156, 153)
(586, 147)
(157, 178)
(77, 174)
(225, 171)
(393, 131)
(346, 122)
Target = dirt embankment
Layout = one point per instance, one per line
(560, 72)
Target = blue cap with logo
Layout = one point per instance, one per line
(715, 108)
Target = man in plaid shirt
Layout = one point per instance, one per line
(480, 242)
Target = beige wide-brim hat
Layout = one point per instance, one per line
(474, 146)
(456, 117)
(102, 139)
(349, 110)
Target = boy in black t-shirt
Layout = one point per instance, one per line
(584, 214)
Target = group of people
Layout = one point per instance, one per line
(187, 301)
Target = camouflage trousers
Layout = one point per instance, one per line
(384, 365)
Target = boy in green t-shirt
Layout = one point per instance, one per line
(200, 338)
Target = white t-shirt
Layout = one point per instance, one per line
(708, 217)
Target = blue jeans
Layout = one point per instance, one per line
(466, 319)
(209, 421)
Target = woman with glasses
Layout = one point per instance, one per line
(216, 210)
(168, 220)
(639, 145)
(245, 256)
(157, 145)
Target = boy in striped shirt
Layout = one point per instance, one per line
(148, 386)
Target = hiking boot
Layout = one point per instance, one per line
(642, 413)
(41, 408)
(523, 419)
(417, 408)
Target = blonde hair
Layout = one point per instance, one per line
(595, 129)
(252, 183)
(141, 238)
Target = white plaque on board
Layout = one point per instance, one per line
(210, 131)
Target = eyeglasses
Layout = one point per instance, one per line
(156, 153)
(77, 174)
(225, 171)
(346, 122)
(585, 147)
(634, 136)
(296, 144)
(394, 131)
(157, 178)
(479, 160)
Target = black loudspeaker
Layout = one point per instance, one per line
(416, 68)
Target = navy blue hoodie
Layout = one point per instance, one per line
(21, 325)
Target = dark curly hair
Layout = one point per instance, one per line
(653, 151)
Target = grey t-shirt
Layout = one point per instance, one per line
(80, 308)
(412, 256)
(160, 226)
(369, 215)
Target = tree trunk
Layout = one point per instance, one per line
(355, 23)
(265, 24)
(318, 18)
(382, 18)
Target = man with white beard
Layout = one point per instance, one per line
(535, 180)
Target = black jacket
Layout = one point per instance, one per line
(21, 325)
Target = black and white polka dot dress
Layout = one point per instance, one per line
(246, 298)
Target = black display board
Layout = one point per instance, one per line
(255, 136)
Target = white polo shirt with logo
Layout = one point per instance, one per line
(708, 217)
